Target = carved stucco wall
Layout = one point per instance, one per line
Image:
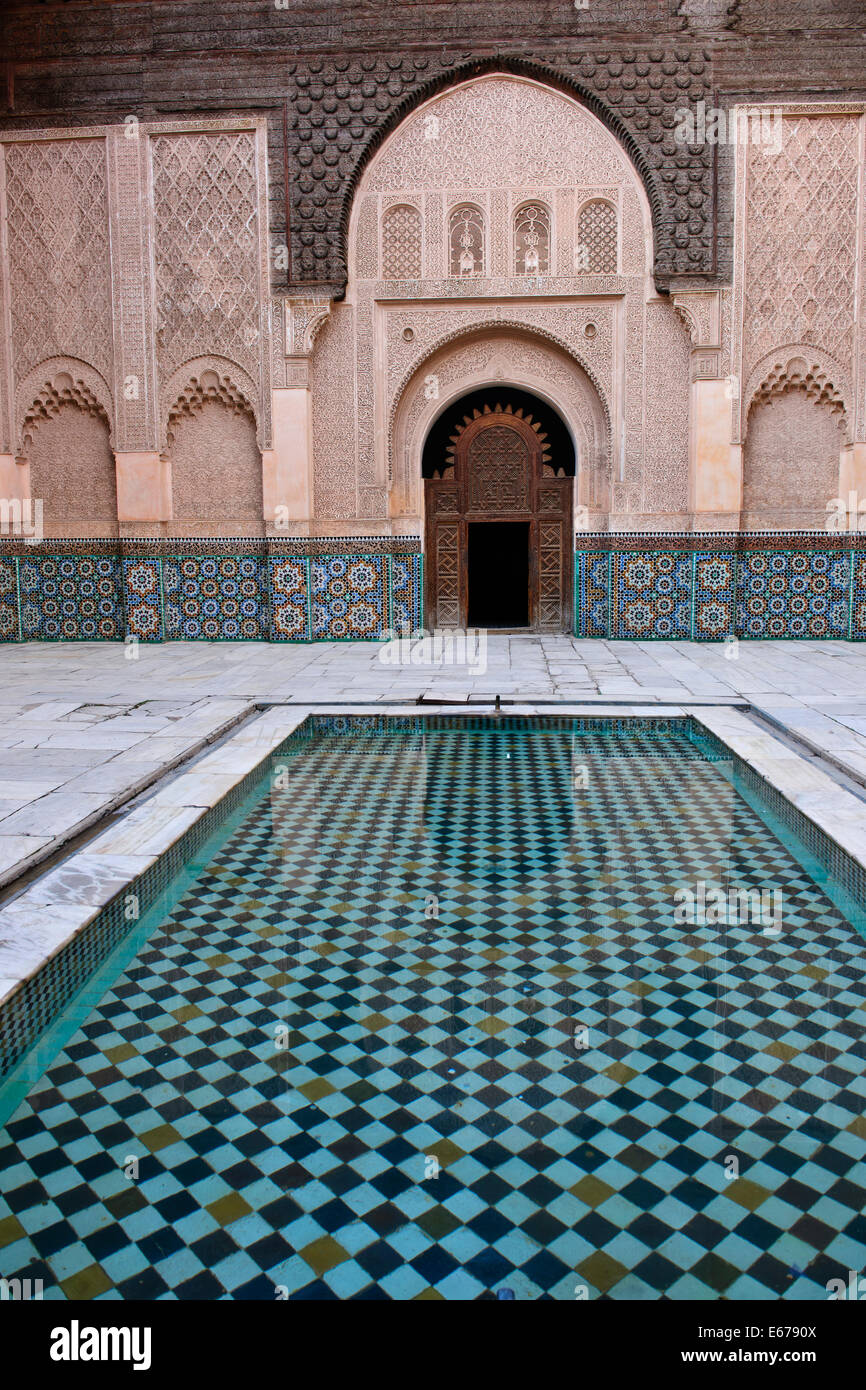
(216, 473)
(143, 260)
(72, 471)
(801, 254)
(791, 462)
(135, 260)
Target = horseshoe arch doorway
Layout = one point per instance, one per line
(499, 468)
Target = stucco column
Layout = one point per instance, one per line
(143, 486)
(143, 476)
(20, 517)
(852, 484)
(715, 463)
(14, 478)
(287, 468)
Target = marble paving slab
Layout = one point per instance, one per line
(130, 721)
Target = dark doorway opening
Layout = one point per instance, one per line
(498, 574)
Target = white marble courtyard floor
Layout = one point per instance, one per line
(84, 727)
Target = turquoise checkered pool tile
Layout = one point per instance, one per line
(424, 1025)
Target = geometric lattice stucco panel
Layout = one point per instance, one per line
(801, 246)
(58, 242)
(208, 273)
(596, 248)
(401, 243)
(790, 462)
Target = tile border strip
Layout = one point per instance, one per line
(831, 820)
(810, 599)
(127, 602)
(75, 957)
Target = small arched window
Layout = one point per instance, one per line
(596, 250)
(401, 243)
(466, 232)
(532, 240)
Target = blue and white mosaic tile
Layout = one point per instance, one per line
(216, 597)
(349, 596)
(406, 588)
(142, 583)
(10, 629)
(592, 593)
(651, 595)
(785, 594)
(715, 581)
(290, 598)
(74, 598)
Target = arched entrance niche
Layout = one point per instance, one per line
(527, 464)
(500, 233)
(498, 471)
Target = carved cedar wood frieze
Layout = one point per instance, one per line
(341, 108)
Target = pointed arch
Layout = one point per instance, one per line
(504, 66)
(65, 440)
(800, 365)
(497, 357)
(478, 332)
(532, 238)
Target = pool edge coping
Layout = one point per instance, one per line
(158, 824)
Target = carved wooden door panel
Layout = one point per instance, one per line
(554, 548)
(445, 558)
(497, 462)
(497, 469)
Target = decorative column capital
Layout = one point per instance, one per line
(303, 319)
(700, 311)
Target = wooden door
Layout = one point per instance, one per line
(498, 469)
